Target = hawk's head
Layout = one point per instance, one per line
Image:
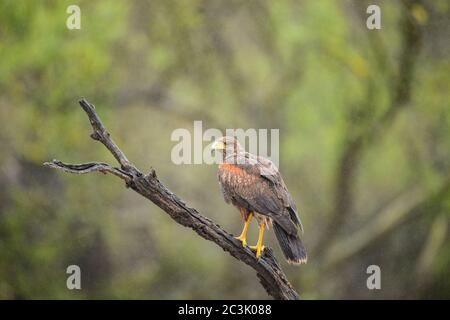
(227, 144)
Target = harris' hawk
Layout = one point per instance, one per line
(254, 185)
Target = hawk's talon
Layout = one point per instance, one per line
(255, 248)
(258, 252)
(242, 239)
(259, 245)
(243, 235)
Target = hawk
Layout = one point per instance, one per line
(254, 185)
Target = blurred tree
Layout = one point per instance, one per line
(364, 120)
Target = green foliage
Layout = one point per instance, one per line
(310, 68)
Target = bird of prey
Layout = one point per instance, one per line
(254, 185)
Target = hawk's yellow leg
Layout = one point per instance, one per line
(243, 236)
(259, 245)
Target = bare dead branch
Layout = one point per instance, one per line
(101, 134)
(267, 268)
(88, 168)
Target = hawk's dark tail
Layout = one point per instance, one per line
(292, 245)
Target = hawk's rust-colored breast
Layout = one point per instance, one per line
(231, 168)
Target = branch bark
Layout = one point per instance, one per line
(267, 268)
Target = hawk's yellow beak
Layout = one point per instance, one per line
(218, 145)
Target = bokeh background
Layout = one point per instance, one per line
(364, 119)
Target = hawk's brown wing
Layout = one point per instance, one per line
(269, 171)
(257, 185)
